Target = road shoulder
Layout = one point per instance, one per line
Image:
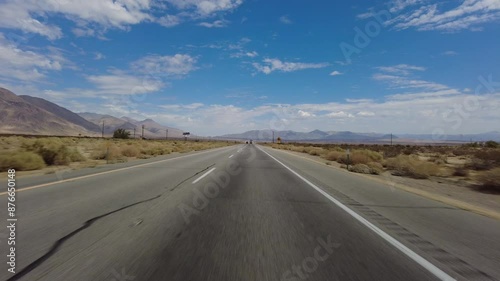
(455, 196)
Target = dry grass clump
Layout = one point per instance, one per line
(24, 153)
(130, 151)
(375, 168)
(53, 151)
(439, 159)
(334, 156)
(107, 151)
(490, 181)
(21, 161)
(411, 166)
(315, 151)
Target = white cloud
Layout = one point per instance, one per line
(27, 65)
(398, 76)
(176, 65)
(169, 20)
(124, 84)
(365, 114)
(305, 114)
(399, 5)
(252, 54)
(215, 24)
(99, 56)
(402, 69)
(35, 16)
(336, 73)
(206, 8)
(271, 65)
(450, 53)
(285, 20)
(470, 14)
(404, 82)
(32, 16)
(149, 74)
(340, 114)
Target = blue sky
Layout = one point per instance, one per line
(224, 66)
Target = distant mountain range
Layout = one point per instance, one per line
(151, 128)
(36, 116)
(350, 137)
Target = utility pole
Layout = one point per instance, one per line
(166, 135)
(142, 131)
(102, 133)
(273, 136)
(134, 133)
(391, 138)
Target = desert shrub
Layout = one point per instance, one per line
(439, 159)
(491, 156)
(478, 164)
(121, 134)
(391, 152)
(315, 151)
(410, 166)
(361, 156)
(360, 168)
(106, 152)
(21, 161)
(53, 151)
(334, 155)
(461, 151)
(491, 144)
(490, 180)
(130, 151)
(76, 156)
(375, 168)
(461, 172)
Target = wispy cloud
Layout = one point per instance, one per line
(336, 73)
(399, 76)
(27, 65)
(176, 65)
(32, 16)
(271, 65)
(215, 24)
(470, 14)
(285, 20)
(402, 69)
(450, 53)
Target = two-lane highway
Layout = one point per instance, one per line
(239, 213)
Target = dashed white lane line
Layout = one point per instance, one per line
(204, 175)
(398, 245)
(231, 156)
(110, 171)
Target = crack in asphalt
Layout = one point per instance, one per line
(59, 242)
(185, 180)
(86, 225)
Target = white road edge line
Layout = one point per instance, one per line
(204, 175)
(112, 171)
(231, 156)
(398, 245)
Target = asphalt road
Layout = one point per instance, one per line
(239, 213)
